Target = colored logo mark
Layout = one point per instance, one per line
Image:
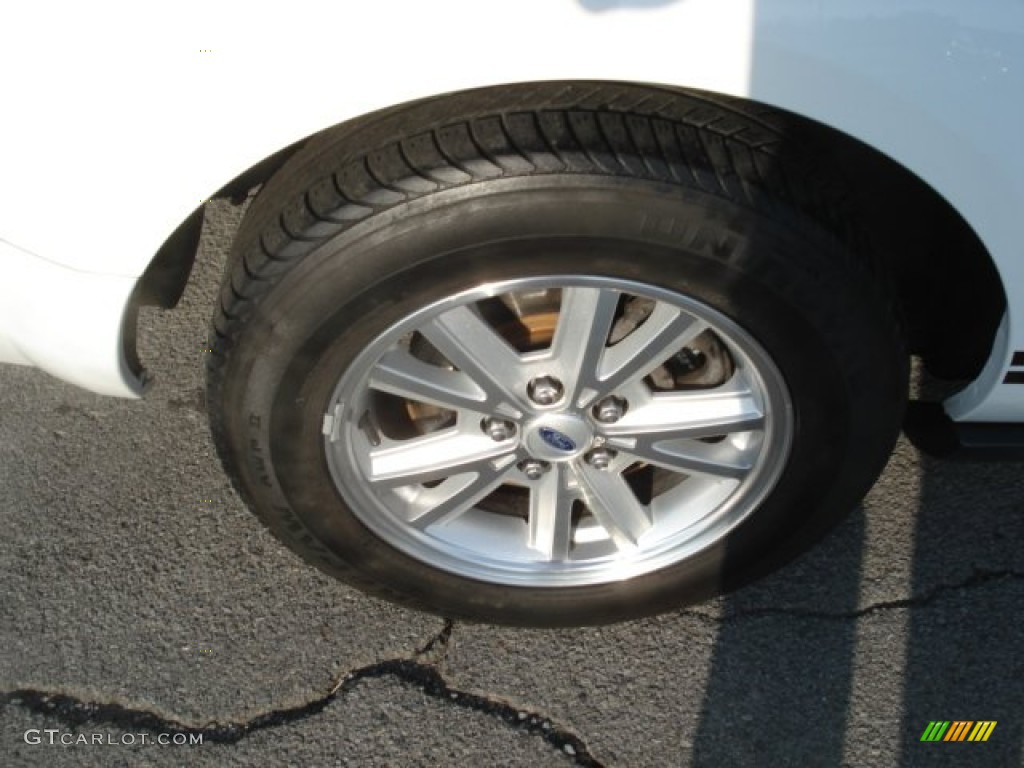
(556, 439)
(958, 730)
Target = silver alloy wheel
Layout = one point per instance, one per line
(434, 441)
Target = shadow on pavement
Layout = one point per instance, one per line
(965, 652)
(797, 686)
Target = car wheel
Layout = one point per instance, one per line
(533, 360)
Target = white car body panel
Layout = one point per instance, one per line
(124, 117)
(65, 321)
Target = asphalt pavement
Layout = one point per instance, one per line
(141, 603)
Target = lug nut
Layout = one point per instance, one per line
(498, 430)
(533, 468)
(600, 458)
(610, 410)
(545, 390)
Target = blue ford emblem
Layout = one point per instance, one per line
(556, 439)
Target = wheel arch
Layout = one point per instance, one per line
(163, 282)
(942, 270)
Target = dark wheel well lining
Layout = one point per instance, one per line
(942, 271)
(163, 282)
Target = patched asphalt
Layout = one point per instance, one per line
(140, 598)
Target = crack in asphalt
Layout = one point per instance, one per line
(72, 711)
(979, 578)
(438, 641)
(425, 677)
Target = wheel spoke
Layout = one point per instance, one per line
(401, 374)
(584, 323)
(456, 495)
(435, 457)
(693, 457)
(729, 408)
(550, 516)
(463, 337)
(614, 505)
(663, 333)
(666, 430)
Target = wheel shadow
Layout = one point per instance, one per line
(965, 649)
(781, 672)
(824, 664)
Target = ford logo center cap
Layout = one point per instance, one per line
(556, 439)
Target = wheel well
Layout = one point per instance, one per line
(163, 282)
(941, 270)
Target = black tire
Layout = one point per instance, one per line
(702, 197)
